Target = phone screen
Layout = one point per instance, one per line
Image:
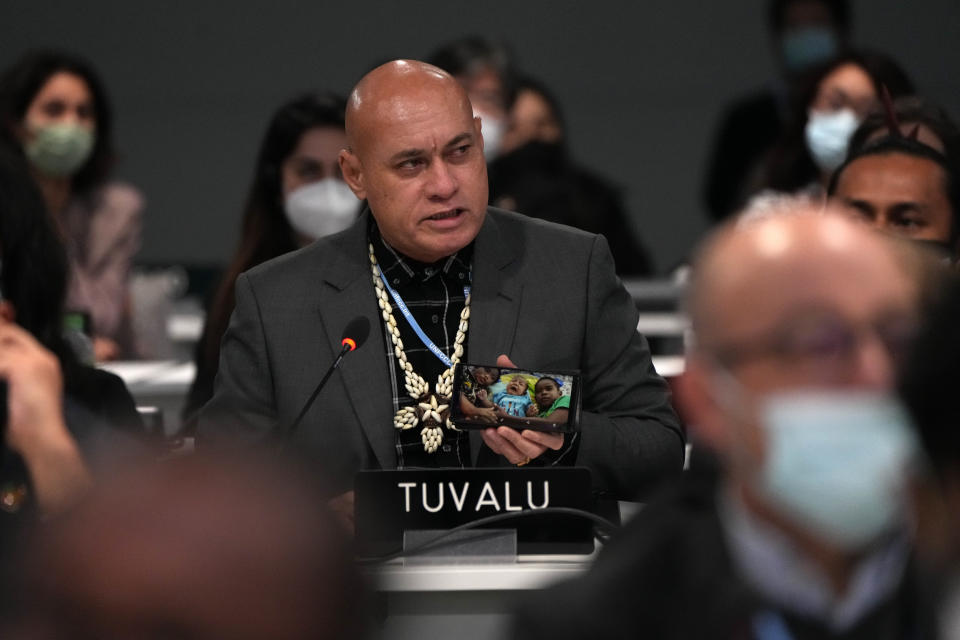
(487, 396)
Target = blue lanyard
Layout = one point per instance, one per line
(427, 342)
(768, 625)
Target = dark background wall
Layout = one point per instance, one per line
(642, 83)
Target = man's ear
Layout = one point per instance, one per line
(478, 130)
(352, 171)
(7, 311)
(696, 401)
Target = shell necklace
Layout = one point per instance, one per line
(432, 410)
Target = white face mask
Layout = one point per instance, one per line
(321, 208)
(828, 134)
(492, 128)
(837, 462)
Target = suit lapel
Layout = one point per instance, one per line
(495, 302)
(348, 293)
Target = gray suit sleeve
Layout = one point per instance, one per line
(242, 410)
(630, 435)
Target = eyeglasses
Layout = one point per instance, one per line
(825, 341)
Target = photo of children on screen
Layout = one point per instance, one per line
(514, 398)
(550, 402)
(475, 397)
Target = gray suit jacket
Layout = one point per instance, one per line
(544, 294)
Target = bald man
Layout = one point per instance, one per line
(800, 531)
(476, 284)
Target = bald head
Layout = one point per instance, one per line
(397, 89)
(749, 278)
(416, 157)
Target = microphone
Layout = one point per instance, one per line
(354, 335)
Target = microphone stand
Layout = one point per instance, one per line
(347, 346)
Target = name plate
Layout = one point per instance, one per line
(387, 503)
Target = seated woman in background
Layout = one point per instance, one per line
(55, 108)
(535, 176)
(61, 418)
(837, 99)
(297, 196)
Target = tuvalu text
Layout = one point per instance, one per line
(433, 496)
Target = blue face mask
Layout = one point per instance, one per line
(807, 47)
(837, 463)
(827, 135)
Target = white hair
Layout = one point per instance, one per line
(776, 204)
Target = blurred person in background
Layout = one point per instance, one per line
(904, 187)
(535, 116)
(298, 195)
(61, 420)
(805, 34)
(934, 126)
(535, 176)
(195, 548)
(800, 527)
(485, 70)
(55, 108)
(929, 385)
(917, 119)
(524, 144)
(836, 100)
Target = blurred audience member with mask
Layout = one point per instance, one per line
(485, 70)
(55, 108)
(536, 177)
(535, 116)
(805, 34)
(298, 195)
(800, 527)
(61, 422)
(836, 100)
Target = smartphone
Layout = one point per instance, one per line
(487, 396)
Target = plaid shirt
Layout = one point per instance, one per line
(434, 294)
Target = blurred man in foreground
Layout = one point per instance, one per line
(192, 549)
(802, 530)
